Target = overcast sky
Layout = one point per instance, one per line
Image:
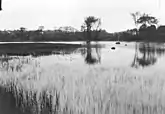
(115, 14)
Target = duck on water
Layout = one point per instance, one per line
(117, 42)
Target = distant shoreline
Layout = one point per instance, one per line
(78, 42)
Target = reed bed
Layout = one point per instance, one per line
(60, 89)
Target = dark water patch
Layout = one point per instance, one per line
(40, 49)
(24, 49)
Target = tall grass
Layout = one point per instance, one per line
(60, 89)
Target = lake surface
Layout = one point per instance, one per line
(75, 78)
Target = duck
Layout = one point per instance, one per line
(118, 42)
(113, 48)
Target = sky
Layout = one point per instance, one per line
(114, 14)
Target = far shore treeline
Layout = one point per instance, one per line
(146, 29)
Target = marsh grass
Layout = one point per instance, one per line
(60, 89)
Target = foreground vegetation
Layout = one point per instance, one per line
(60, 89)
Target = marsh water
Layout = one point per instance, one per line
(83, 78)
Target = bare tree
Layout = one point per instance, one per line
(135, 17)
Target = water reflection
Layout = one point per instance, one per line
(146, 54)
(14, 60)
(90, 58)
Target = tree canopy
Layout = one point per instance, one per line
(146, 20)
(91, 24)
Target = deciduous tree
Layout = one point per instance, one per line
(90, 24)
(147, 20)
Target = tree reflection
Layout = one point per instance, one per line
(92, 54)
(146, 54)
